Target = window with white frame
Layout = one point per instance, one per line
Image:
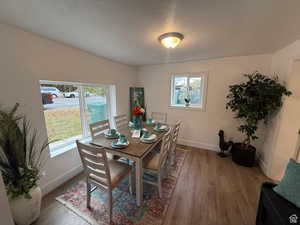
(189, 90)
(69, 108)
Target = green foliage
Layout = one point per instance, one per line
(97, 91)
(254, 101)
(20, 155)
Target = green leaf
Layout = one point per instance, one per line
(20, 154)
(255, 100)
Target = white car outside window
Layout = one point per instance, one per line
(73, 94)
(52, 90)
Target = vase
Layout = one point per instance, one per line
(242, 155)
(137, 120)
(26, 211)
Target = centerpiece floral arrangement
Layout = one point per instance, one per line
(138, 112)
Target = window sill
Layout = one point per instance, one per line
(60, 150)
(192, 108)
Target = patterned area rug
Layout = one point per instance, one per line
(125, 211)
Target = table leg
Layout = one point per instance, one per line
(139, 182)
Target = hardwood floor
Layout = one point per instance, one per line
(210, 191)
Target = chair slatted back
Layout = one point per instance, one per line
(95, 164)
(98, 128)
(159, 117)
(175, 134)
(121, 121)
(165, 147)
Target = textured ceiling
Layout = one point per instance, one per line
(127, 30)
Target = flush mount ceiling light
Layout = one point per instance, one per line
(170, 40)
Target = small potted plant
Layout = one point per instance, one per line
(253, 101)
(187, 101)
(20, 163)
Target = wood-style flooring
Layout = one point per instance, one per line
(210, 191)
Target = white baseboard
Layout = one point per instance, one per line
(197, 144)
(51, 185)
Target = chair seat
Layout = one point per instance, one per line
(118, 171)
(152, 162)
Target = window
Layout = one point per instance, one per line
(69, 108)
(189, 87)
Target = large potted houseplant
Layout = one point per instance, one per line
(21, 158)
(253, 101)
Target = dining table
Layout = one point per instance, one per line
(135, 151)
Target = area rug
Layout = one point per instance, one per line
(125, 211)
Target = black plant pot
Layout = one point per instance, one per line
(242, 155)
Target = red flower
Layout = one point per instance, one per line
(137, 110)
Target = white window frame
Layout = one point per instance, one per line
(203, 89)
(111, 110)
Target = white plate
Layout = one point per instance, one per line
(119, 145)
(147, 141)
(150, 138)
(162, 128)
(109, 136)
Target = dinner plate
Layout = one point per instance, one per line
(163, 128)
(150, 139)
(111, 136)
(115, 145)
(147, 141)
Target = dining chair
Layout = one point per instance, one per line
(102, 173)
(174, 138)
(159, 116)
(98, 128)
(156, 162)
(121, 121)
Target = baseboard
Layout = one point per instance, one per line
(197, 144)
(50, 186)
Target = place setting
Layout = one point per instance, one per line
(148, 137)
(121, 142)
(151, 122)
(161, 127)
(111, 134)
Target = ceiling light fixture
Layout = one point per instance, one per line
(170, 40)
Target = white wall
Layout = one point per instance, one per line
(200, 128)
(5, 214)
(26, 58)
(282, 138)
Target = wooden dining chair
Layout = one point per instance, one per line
(101, 173)
(174, 138)
(98, 128)
(121, 121)
(156, 162)
(159, 117)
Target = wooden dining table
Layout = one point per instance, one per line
(135, 151)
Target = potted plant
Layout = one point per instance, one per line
(253, 101)
(20, 163)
